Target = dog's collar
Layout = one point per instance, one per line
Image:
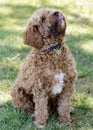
(56, 48)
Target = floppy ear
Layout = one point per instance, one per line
(32, 37)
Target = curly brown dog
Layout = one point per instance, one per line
(47, 78)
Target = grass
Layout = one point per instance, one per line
(79, 37)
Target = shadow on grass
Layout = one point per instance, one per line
(13, 119)
(76, 39)
(9, 33)
(10, 51)
(9, 64)
(83, 116)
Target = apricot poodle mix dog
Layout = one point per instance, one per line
(47, 78)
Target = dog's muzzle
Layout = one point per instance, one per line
(59, 17)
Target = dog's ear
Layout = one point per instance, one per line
(32, 37)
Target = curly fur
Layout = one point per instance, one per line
(46, 80)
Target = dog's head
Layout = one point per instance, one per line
(44, 24)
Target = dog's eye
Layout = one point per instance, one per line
(36, 27)
(43, 20)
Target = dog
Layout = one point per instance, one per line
(47, 78)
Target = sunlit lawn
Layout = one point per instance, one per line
(79, 37)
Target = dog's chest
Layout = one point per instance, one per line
(58, 83)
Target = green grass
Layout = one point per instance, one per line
(79, 37)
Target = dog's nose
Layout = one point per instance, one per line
(56, 13)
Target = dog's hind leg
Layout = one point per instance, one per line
(21, 99)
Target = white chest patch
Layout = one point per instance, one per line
(57, 89)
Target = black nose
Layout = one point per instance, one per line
(56, 13)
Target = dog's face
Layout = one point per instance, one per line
(44, 24)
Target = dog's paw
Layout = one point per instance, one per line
(40, 126)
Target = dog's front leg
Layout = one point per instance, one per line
(41, 110)
(64, 107)
(64, 104)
